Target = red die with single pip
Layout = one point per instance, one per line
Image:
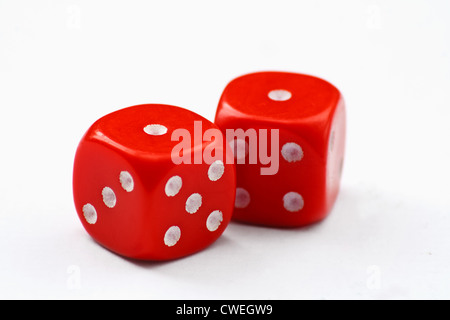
(152, 182)
(287, 131)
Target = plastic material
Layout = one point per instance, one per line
(134, 200)
(308, 114)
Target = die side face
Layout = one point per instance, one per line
(186, 198)
(282, 199)
(335, 154)
(134, 200)
(305, 111)
(96, 182)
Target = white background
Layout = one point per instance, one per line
(63, 64)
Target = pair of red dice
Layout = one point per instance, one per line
(159, 182)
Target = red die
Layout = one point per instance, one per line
(293, 179)
(143, 188)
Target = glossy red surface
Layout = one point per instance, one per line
(138, 224)
(308, 112)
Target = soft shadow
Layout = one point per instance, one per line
(287, 229)
(344, 203)
(222, 241)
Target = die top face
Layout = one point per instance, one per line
(145, 130)
(280, 96)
